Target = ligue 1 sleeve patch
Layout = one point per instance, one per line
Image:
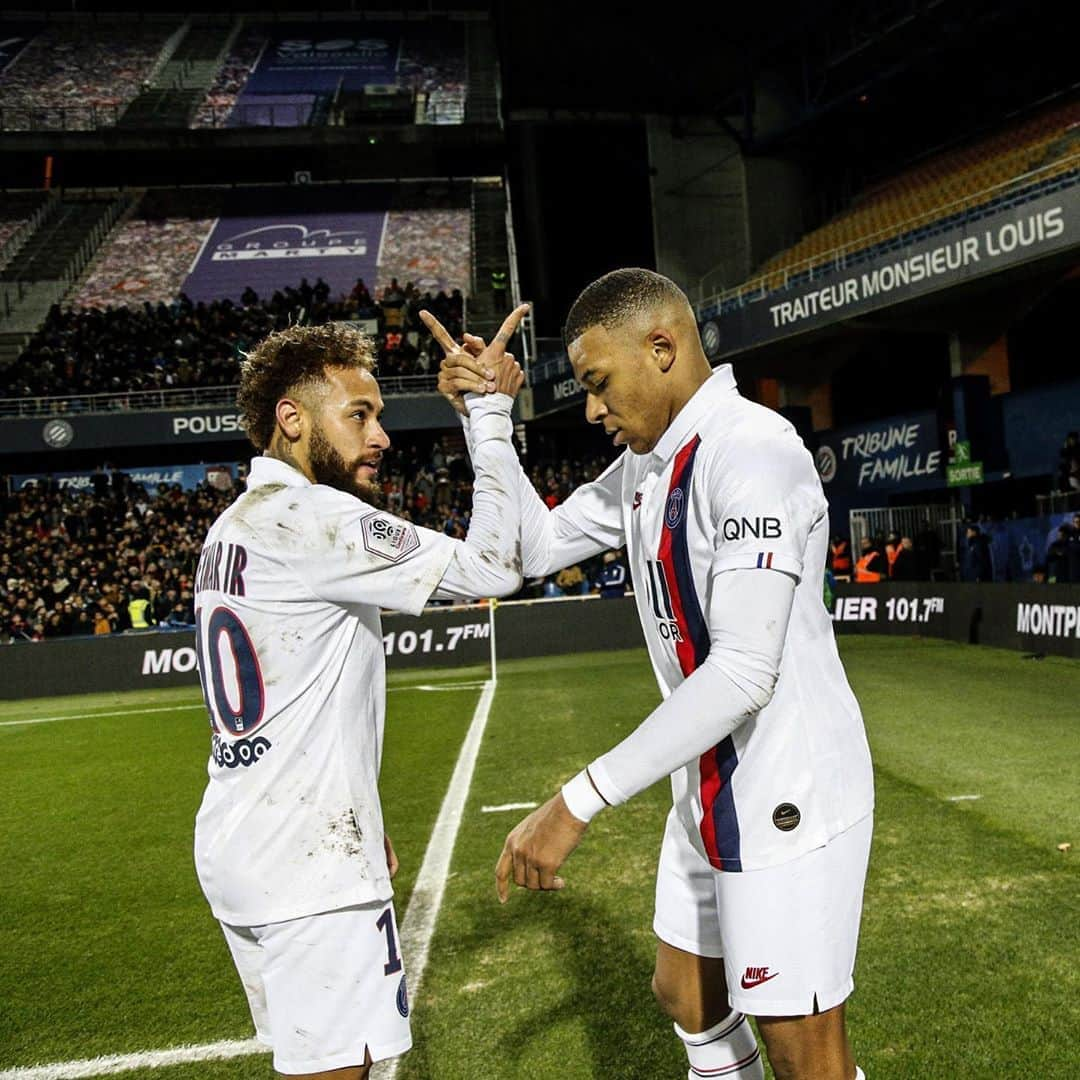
(388, 537)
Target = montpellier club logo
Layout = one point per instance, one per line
(826, 463)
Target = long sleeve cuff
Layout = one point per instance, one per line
(582, 798)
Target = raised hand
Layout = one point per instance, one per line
(475, 368)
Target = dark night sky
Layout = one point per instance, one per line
(594, 213)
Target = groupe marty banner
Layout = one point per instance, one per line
(275, 253)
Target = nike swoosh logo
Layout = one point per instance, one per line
(749, 984)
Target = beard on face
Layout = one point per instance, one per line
(330, 468)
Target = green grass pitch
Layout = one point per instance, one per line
(969, 962)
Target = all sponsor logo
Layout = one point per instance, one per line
(389, 538)
(667, 626)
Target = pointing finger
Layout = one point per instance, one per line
(439, 332)
(506, 331)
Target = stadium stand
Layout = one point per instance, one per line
(18, 211)
(1033, 152)
(149, 255)
(220, 101)
(146, 261)
(430, 247)
(72, 562)
(102, 349)
(80, 76)
(151, 252)
(171, 98)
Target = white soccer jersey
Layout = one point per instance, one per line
(288, 590)
(730, 486)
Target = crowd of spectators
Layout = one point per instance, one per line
(8, 228)
(429, 62)
(1063, 555)
(221, 98)
(102, 561)
(145, 261)
(433, 248)
(1052, 558)
(79, 76)
(116, 557)
(887, 558)
(158, 346)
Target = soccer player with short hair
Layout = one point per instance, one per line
(764, 856)
(290, 847)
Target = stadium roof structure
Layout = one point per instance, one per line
(864, 73)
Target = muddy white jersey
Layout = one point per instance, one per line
(730, 486)
(288, 592)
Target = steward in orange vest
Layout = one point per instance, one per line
(841, 557)
(870, 565)
(892, 549)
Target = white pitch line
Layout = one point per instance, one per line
(95, 715)
(962, 798)
(439, 688)
(146, 1059)
(508, 806)
(419, 923)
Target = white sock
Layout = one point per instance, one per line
(727, 1049)
(859, 1074)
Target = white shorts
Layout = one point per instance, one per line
(787, 934)
(325, 989)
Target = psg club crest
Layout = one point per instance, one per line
(673, 512)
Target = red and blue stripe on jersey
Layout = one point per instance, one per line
(719, 823)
